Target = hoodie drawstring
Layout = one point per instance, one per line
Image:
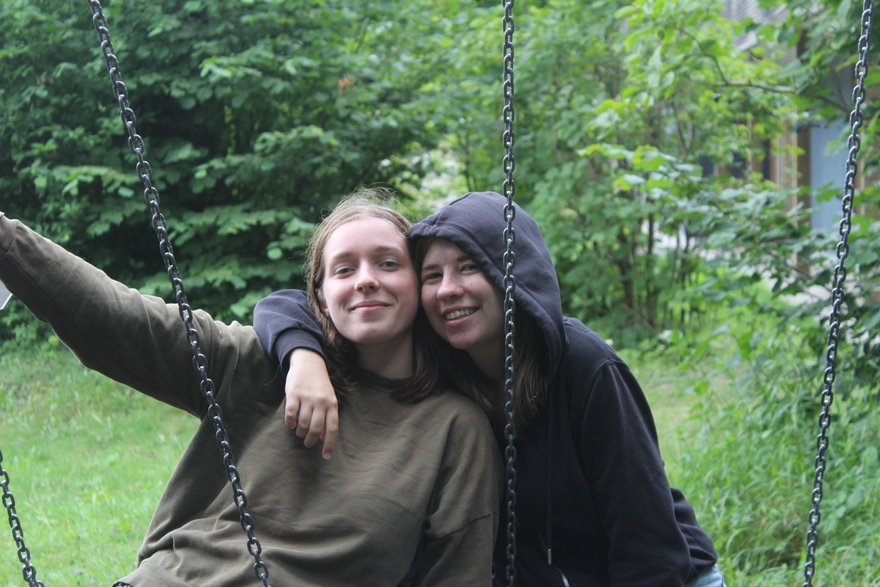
(548, 546)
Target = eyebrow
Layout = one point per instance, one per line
(381, 250)
(459, 259)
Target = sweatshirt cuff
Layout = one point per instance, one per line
(291, 340)
(7, 234)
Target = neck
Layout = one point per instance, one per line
(490, 360)
(392, 360)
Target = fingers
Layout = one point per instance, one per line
(291, 412)
(312, 410)
(315, 429)
(331, 429)
(314, 424)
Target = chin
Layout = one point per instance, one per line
(462, 345)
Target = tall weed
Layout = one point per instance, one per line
(755, 380)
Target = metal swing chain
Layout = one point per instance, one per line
(837, 293)
(509, 235)
(200, 363)
(24, 555)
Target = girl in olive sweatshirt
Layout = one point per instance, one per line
(403, 502)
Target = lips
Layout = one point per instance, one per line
(458, 313)
(368, 305)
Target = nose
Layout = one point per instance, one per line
(450, 287)
(366, 281)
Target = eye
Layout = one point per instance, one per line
(469, 267)
(431, 276)
(389, 264)
(342, 270)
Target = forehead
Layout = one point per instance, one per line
(366, 233)
(442, 251)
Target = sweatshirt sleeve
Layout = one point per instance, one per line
(284, 322)
(621, 455)
(135, 339)
(462, 522)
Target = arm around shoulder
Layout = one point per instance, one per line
(291, 335)
(284, 322)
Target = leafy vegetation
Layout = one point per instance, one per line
(257, 117)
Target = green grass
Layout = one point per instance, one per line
(87, 460)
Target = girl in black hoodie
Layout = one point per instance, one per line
(593, 504)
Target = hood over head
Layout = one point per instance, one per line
(475, 223)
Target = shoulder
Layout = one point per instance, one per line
(236, 355)
(452, 405)
(586, 353)
(457, 418)
(591, 373)
(466, 433)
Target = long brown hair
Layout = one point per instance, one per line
(341, 353)
(531, 381)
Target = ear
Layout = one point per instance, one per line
(321, 302)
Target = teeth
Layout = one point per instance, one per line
(458, 314)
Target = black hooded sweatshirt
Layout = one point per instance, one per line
(593, 504)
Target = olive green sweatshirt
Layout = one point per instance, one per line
(408, 498)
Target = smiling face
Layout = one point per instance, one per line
(463, 307)
(369, 287)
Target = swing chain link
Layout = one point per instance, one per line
(837, 293)
(200, 362)
(509, 235)
(24, 555)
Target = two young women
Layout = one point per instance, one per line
(404, 500)
(594, 506)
